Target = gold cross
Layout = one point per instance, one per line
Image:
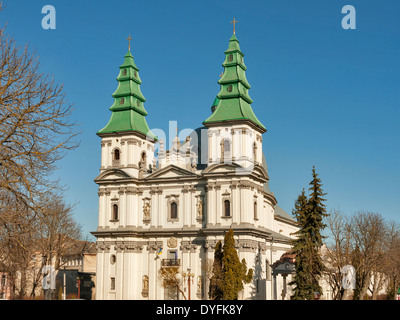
(221, 74)
(129, 39)
(234, 22)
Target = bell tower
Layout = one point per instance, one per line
(234, 132)
(127, 142)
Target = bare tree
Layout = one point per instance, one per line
(391, 266)
(30, 241)
(368, 243)
(17, 228)
(35, 132)
(338, 251)
(57, 235)
(171, 279)
(35, 126)
(369, 232)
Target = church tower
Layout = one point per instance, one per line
(127, 141)
(235, 156)
(127, 155)
(235, 133)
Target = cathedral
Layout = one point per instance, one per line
(162, 208)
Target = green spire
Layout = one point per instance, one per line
(128, 112)
(234, 100)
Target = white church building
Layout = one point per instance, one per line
(160, 208)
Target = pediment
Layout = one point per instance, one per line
(261, 171)
(171, 172)
(113, 174)
(222, 168)
(284, 267)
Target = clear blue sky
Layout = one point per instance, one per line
(329, 97)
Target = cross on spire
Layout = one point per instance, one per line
(234, 22)
(129, 39)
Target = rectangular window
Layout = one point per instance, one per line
(174, 210)
(112, 284)
(227, 208)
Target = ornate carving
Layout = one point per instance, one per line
(200, 208)
(146, 211)
(154, 246)
(172, 242)
(210, 244)
(155, 190)
(101, 246)
(145, 286)
(187, 246)
(199, 292)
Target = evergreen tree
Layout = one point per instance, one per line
(309, 214)
(302, 289)
(234, 272)
(316, 213)
(215, 290)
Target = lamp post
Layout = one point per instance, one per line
(78, 278)
(190, 275)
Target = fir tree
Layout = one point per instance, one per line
(215, 290)
(309, 214)
(301, 281)
(234, 272)
(316, 212)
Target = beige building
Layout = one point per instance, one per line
(170, 208)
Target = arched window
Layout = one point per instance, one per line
(174, 210)
(227, 208)
(143, 162)
(225, 149)
(116, 154)
(230, 57)
(114, 211)
(254, 152)
(255, 210)
(227, 146)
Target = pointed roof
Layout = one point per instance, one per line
(128, 112)
(234, 102)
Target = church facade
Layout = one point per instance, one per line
(170, 208)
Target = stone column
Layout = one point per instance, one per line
(284, 290)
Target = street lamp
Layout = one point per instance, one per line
(190, 275)
(78, 284)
